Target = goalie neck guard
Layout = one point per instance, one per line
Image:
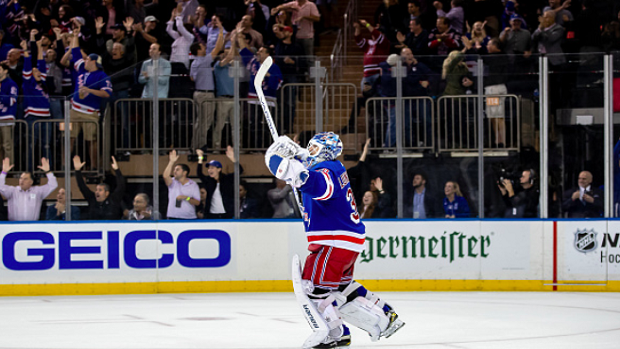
(323, 146)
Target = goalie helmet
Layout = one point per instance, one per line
(323, 146)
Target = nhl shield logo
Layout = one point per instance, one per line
(585, 241)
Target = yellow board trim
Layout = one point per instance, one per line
(286, 286)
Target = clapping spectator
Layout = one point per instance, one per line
(58, 211)
(475, 42)
(245, 27)
(305, 14)
(24, 201)
(146, 35)
(560, 11)
(584, 201)
(454, 204)
(183, 37)
(515, 38)
(416, 39)
(102, 205)
(443, 39)
(287, 56)
(183, 192)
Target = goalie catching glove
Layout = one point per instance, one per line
(282, 161)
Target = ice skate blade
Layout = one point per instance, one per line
(395, 326)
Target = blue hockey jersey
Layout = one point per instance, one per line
(8, 99)
(96, 80)
(36, 100)
(329, 209)
(271, 84)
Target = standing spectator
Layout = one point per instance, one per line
(456, 15)
(384, 199)
(187, 8)
(111, 15)
(559, 9)
(183, 37)
(414, 11)
(163, 73)
(416, 39)
(58, 211)
(282, 200)
(454, 69)
(145, 36)
(270, 85)
(416, 84)
(547, 39)
(454, 204)
(585, 201)
(36, 99)
(141, 210)
(248, 206)
(244, 28)
(224, 91)
(423, 205)
(201, 74)
(305, 13)
(101, 204)
(210, 32)
(91, 87)
(287, 56)
(15, 65)
(183, 193)
(443, 39)
(475, 42)
(8, 110)
(123, 34)
(375, 51)
(220, 187)
(516, 40)
(259, 14)
(498, 74)
(137, 10)
(24, 201)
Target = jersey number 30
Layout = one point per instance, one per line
(355, 217)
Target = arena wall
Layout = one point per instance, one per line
(254, 256)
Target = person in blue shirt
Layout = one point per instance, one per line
(454, 204)
(58, 211)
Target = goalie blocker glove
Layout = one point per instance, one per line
(281, 162)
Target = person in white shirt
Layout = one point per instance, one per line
(183, 193)
(24, 200)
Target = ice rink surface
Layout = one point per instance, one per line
(273, 320)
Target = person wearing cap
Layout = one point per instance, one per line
(183, 193)
(122, 34)
(92, 85)
(515, 38)
(220, 187)
(145, 35)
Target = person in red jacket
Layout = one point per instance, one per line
(376, 49)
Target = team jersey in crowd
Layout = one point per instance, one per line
(375, 51)
(36, 100)
(271, 84)
(8, 99)
(329, 209)
(96, 80)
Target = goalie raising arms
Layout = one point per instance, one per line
(336, 236)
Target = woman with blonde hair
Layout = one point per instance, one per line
(454, 69)
(369, 203)
(454, 204)
(476, 40)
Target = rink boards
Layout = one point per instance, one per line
(254, 256)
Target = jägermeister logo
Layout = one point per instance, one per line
(449, 246)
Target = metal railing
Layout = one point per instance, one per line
(458, 123)
(131, 124)
(15, 146)
(48, 141)
(418, 126)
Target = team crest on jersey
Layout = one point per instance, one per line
(343, 179)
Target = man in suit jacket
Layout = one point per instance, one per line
(423, 204)
(547, 39)
(585, 201)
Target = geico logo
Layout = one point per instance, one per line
(71, 256)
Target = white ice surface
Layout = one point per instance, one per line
(466, 320)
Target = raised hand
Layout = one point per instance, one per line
(77, 163)
(400, 37)
(6, 165)
(99, 23)
(45, 165)
(128, 22)
(173, 157)
(379, 184)
(230, 153)
(114, 164)
(199, 152)
(33, 33)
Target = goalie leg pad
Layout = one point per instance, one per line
(366, 315)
